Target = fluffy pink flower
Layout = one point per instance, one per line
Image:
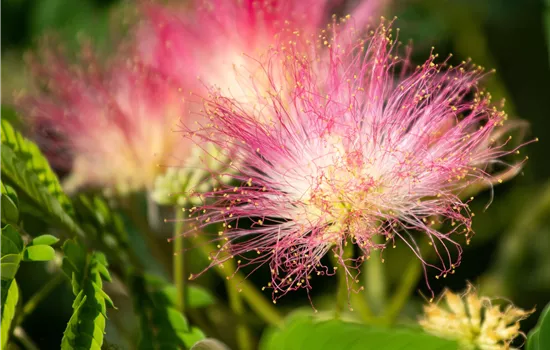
(347, 151)
(112, 124)
(207, 39)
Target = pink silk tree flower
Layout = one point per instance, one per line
(203, 42)
(111, 124)
(358, 145)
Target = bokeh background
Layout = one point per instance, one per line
(510, 254)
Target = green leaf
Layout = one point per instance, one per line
(9, 270)
(12, 247)
(9, 303)
(45, 240)
(11, 254)
(544, 328)
(303, 332)
(38, 253)
(162, 326)
(10, 203)
(10, 192)
(539, 337)
(11, 258)
(27, 169)
(75, 257)
(86, 327)
(8, 245)
(11, 241)
(533, 340)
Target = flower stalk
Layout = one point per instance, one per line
(178, 265)
(406, 285)
(342, 292)
(375, 280)
(244, 337)
(249, 292)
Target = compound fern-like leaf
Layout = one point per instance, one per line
(26, 168)
(87, 271)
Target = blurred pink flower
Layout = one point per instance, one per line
(201, 43)
(349, 151)
(113, 124)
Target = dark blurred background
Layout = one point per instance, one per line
(510, 254)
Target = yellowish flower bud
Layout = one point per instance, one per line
(473, 321)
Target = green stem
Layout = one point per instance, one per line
(406, 286)
(342, 292)
(39, 296)
(375, 280)
(360, 304)
(178, 263)
(249, 292)
(21, 336)
(244, 337)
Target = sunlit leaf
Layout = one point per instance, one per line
(8, 309)
(303, 332)
(11, 255)
(38, 253)
(45, 240)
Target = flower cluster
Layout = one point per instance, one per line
(346, 150)
(476, 322)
